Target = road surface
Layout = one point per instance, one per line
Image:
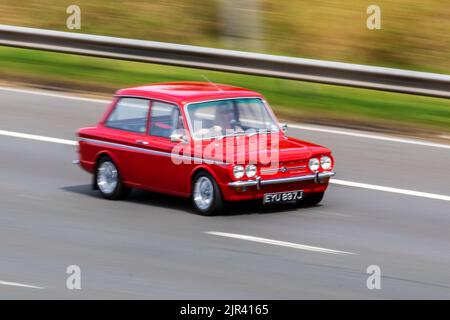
(152, 246)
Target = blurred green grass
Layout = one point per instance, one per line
(291, 100)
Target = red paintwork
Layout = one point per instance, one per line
(158, 173)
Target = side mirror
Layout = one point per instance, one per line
(283, 127)
(178, 137)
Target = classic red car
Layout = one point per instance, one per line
(213, 143)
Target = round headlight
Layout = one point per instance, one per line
(314, 164)
(238, 172)
(250, 170)
(325, 162)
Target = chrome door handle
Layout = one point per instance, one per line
(142, 142)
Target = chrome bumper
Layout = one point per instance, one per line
(258, 182)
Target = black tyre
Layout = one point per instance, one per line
(206, 196)
(109, 181)
(311, 199)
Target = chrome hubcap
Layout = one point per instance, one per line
(203, 193)
(107, 177)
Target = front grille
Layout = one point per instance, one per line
(286, 168)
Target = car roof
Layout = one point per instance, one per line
(184, 92)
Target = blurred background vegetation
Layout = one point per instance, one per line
(415, 35)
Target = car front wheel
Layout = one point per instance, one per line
(109, 180)
(206, 195)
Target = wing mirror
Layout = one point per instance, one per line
(178, 137)
(283, 127)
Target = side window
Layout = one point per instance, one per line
(130, 114)
(165, 118)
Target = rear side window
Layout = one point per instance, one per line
(165, 119)
(129, 114)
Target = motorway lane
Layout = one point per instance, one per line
(358, 159)
(153, 246)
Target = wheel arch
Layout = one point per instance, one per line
(197, 170)
(98, 157)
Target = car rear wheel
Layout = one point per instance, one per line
(206, 195)
(311, 199)
(109, 180)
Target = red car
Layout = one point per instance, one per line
(213, 143)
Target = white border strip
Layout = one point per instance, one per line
(371, 136)
(16, 284)
(277, 242)
(37, 138)
(392, 190)
(333, 181)
(296, 126)
(53, 95)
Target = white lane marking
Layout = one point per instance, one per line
(392, 190)
(16, 284)
(372, 136)
(277, 242)
(334, 181)
(296, 126)
(53, 95)
(36, 137)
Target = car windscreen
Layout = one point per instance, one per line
(229, 117)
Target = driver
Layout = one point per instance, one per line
(225, 121)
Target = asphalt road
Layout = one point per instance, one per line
(153, 246)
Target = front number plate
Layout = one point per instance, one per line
(282, 196)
